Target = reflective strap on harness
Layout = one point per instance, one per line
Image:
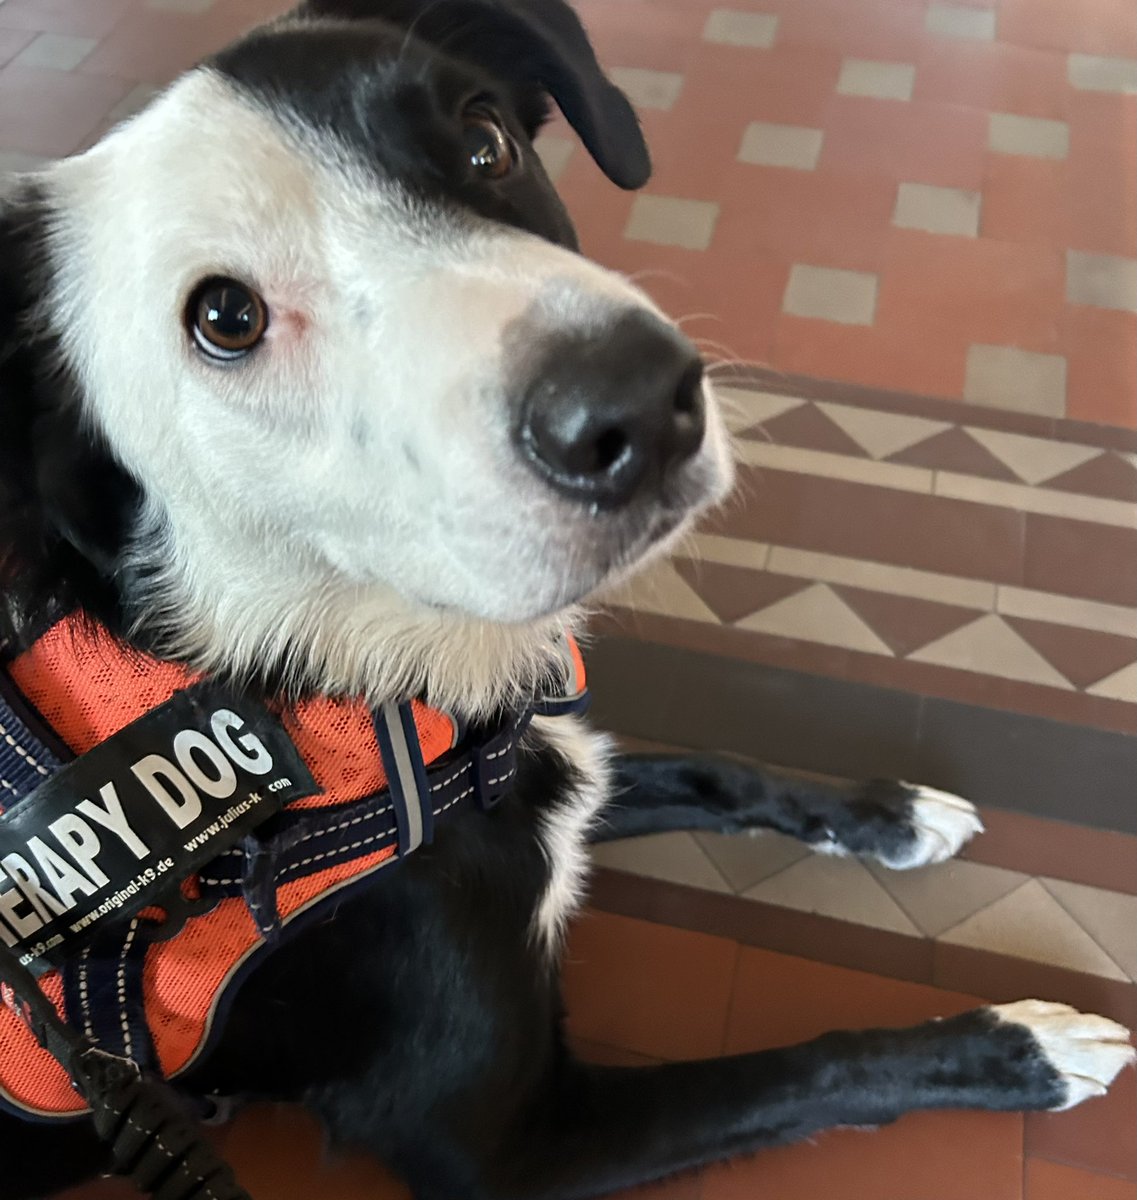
(153, 1140)
(25, 759)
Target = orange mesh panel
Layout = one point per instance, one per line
(88, 688)
(28, 1073)
(183, 977)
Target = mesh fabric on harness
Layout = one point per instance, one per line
(384, 775)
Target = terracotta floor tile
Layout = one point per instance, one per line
(636, 33)
(1100, 1135)
(993, 76)
(1050, 1181)
(975, 291)
(925, 361)
(924, 1156)
(889, 30)
(1103, 166)
(296, 1166)
(654, 990)
(50, 112)
(1101, 354)
(1105, 27)
(780, 1000)
(915, 142)
(1026, 200)
(823, 218)
(788, 84)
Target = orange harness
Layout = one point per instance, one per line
(87, 688)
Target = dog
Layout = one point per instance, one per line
(305, 388)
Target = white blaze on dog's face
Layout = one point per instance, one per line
(454, 427)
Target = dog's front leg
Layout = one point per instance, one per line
(608, 1128)
(901, 825)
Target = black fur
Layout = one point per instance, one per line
(421, 1018)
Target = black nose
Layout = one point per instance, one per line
(603, 416)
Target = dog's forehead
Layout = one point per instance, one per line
(374, 85)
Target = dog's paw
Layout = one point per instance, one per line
(941, 825)
(1087, 1053)
(900, 825)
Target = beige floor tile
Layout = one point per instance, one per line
(1008, 133)
(989, 646)
(835, 466)
(648, 89)
(828, 294)
(1019, 496)
(743, 408)
(676, 857)
(940, 897)
(937, 209)
(817, 615)
(961, 21)
(1089, 73)
(731, 28)
(1030, 923)
(745, 859)
(662, 590)
(1020, 380)
(55, 52)
(834, 887)
(671, 221)
(879, 80)
(182, 6)
(1065, 610)
(1121, 685)
(1110, 918)
(730, 552)
(1032, 459)
(554, 153)
(768, 145)
(1101, 280)
(882, 577)
(881, 434)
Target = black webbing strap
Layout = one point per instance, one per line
(153, 1140)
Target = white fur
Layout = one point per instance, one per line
(565, 828)
(944, 824)
(348, 498)
(1088, 1052)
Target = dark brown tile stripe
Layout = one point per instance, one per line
(840, 943)
(1014, 841)
(999, 759)
(909, 529)
(1108, 437)
(924, 679)
(1080, 559)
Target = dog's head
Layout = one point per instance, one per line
(300, 371)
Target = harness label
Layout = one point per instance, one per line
(112, 832)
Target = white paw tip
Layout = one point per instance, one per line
(1087, 1051)
(943, 825)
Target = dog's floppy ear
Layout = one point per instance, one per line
(65, 503)
(541, 41)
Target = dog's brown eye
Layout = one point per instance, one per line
(227, 318)
(492, 152)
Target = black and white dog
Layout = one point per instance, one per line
(303, 383)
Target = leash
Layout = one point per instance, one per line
(153, 1140)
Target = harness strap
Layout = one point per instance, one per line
(153, 1140)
